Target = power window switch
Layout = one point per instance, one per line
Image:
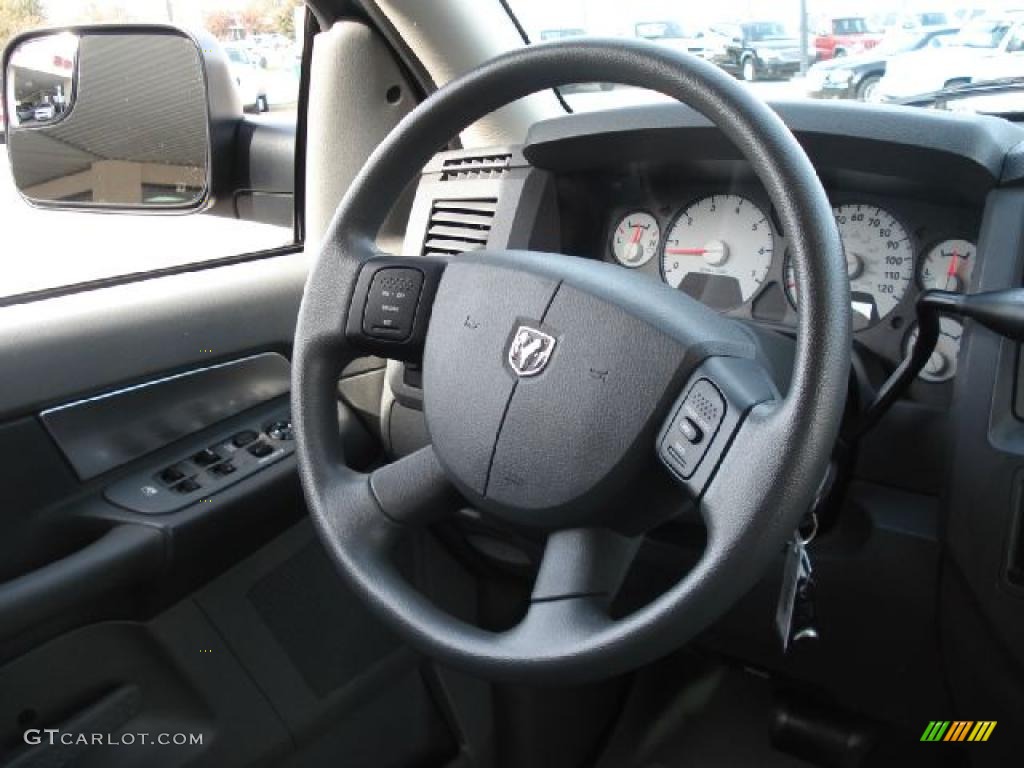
(206, 457)
(242, 439)
(171, 475)
(187, 486)
(224, 469)
(260, 449)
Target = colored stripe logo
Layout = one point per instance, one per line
(958, 730)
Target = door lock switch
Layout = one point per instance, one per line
(281, 430)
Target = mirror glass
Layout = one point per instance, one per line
(42, 81)
(108, 118)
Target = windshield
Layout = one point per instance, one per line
(765, 30)
(982, 35)
(899, 42)
(854, 26)
(658, 29)
(914, 47)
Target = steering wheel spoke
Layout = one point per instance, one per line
(414, 490)
(583, 563)
(580, 573)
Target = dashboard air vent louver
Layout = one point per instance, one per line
(480, 167)
(458, 226)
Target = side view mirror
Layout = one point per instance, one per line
(116, 117)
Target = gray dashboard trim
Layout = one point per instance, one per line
(80, 345)
(104, 432)
(982, 141)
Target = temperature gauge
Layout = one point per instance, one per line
(948, 266)
(941, 366)
(636, 239)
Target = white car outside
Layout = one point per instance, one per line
(673, 35)
(985, 48)
(248, 78)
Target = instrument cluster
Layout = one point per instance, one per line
(727, 249)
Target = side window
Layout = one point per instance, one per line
(262, 43)
(1016, 42)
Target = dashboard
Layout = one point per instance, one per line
(723, 244)
(922, 199)
(661, 191)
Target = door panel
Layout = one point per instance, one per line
(218, 614)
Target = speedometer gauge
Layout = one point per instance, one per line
(718, 250)
(636, 239)
(879, 262)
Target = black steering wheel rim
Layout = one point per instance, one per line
(754, 513)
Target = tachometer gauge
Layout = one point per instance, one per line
(718, 250)
(879, 262)
(948, 266)
(636, 239)
(941, 366)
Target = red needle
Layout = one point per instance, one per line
(637, 233)
(954, 262)
(687, 251)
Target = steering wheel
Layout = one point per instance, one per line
(554, 385)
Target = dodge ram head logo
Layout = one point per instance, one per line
(530, 351)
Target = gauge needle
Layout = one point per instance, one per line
(952, 279)
(637, 234)
(686, 251)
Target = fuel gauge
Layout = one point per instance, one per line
(636, 239)
(941, 366)
(948, 265)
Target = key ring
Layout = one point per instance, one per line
(806, 540)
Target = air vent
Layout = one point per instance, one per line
(480, 167)
(458, 226)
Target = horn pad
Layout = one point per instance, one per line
(541, 399)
